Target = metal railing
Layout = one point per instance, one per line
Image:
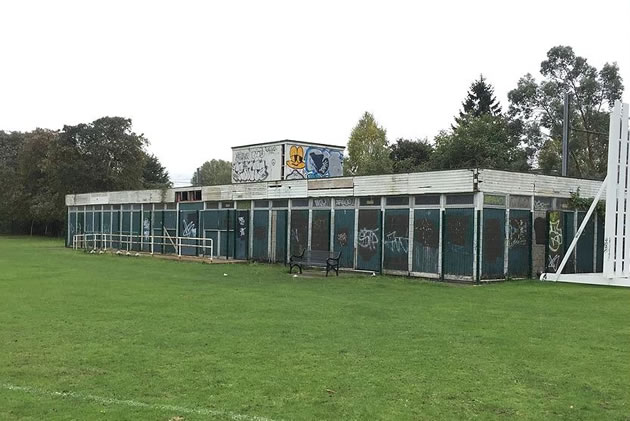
(127, 241)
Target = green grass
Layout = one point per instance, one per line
(262, 343)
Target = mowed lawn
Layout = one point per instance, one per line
(132, 338)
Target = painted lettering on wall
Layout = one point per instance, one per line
(555, 232)
(368, 238)
(344, 202)
(259, 163)
(146, 228)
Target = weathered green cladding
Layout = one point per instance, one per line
(241, 235)
(115, 229)
(157, 223)
(146, 231)
(584, 249)
(396, 240)
(89, 225)
(493, 255)
(458, 242)
(344, 236)
(600, 245)
(299, 231)
(369, 240)
(260, 250)
(281, 219)
(569, 232)
(170, 228)
(519, 243)
(426, 240)
(125, 229)
(320, 230)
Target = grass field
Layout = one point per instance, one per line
(109, 337)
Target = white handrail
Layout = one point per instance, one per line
(129, 240)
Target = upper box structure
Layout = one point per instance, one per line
(286, 160)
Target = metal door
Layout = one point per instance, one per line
(261, 231)
(458, 242)
(426, 240)
(369, 240)
(519, 244)
(396, 239)
(320, 230)
(279, 220)
(299, 231)
(493, 243)
(344, 236)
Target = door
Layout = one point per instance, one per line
(344, 236)
(241, 237)
(369, 240)
(261, 231)
(426, 240)
(320, 230)
(493, 244)
(519, 244)
(396, 240)
(279, 219)
(458, 242)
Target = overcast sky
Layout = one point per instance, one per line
(200, 77)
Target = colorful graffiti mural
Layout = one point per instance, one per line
(312, 162)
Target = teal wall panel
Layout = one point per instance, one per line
(320, 230)
(599, 264)
(89, 225)
(188, 227)
(281, 221)
(241, 237)
(493, 244)
(584, 248)
(299, 231)
(260, 249)
(369, 240)
(426, 240)
(519, 243)
(169, 226)
(344, 236)
(396, 239)
(458, 234)
(569, 233)
(136, 229)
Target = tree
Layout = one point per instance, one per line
(410, 155)
(537, 111)
(479, 101)
(213, 173)
(105, 155)
(154, 174)
(479, 142)
(367, 149)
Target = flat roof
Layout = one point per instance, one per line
(275, 142)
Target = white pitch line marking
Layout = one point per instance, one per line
(135, 404)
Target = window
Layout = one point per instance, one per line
(299, 203)
(321, 202)
(227, 205)
(520, 202)
(188, 196)
(459, 199)
(370, 201)
(428, 199)
(397, 201)
(344, 202)
(493, 200)
(280, 203)
(261, 203)
(212, 205)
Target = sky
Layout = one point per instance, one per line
(198, 77)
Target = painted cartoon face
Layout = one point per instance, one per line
(296, 158)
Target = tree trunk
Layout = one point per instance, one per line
(32, 227)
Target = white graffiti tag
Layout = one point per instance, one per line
(190, 230)
(368, 238)
(553, 262)
(555, 235)
(395, 243)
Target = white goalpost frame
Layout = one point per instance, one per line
(616, 259)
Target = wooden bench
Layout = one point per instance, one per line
(316, 258)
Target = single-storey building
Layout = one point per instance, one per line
(467, 224)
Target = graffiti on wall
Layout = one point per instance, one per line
(555, 232)
(368, 239)
(189, 229)
(518, 232)
(312, 162)
(242, 232)
(342, 237)
(396, 243)
(259, 163)
(456, 230)
(426, 233)
(146, 228)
